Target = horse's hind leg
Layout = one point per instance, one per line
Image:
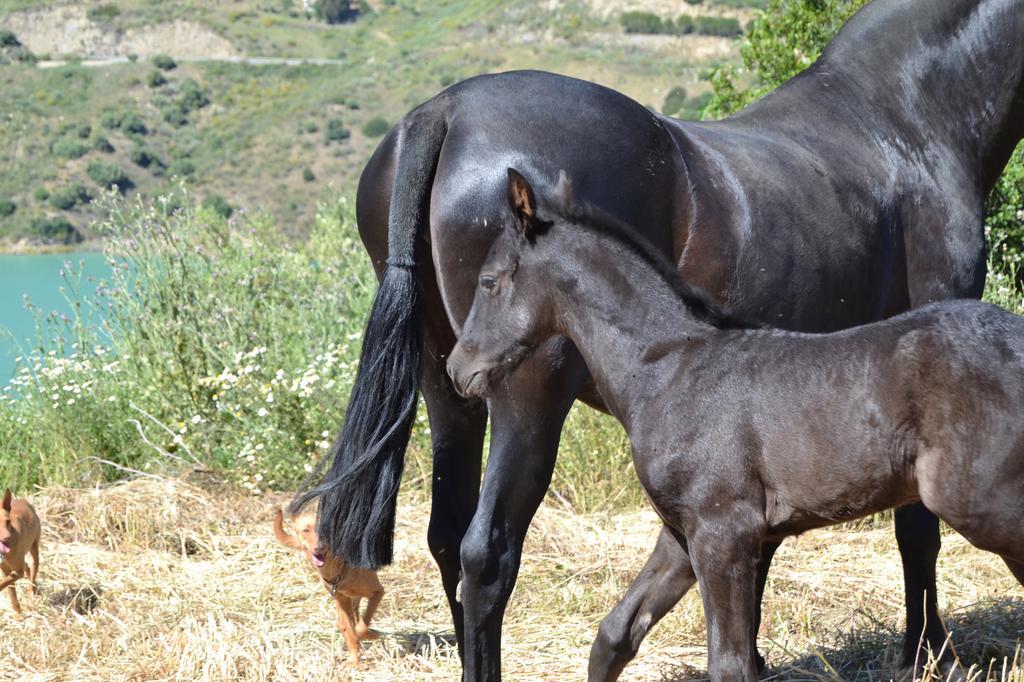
(917, 534)
(661, 583)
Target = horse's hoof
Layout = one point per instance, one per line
(759, 660)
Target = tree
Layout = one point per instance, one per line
(336, 11)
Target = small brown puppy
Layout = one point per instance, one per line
(347, 585)
(19, 533)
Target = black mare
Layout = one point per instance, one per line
(743, 436)
(852, 193)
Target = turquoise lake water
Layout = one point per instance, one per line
(39, 277)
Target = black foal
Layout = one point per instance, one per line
(742, 436)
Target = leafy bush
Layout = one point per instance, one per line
(219, 205)
(183, 168)
(174, 113)
(717, 26)
(674, 101)
(684, 25)
(69, 148)
(307, 175)
(164, 62)
(111, 119)
(108, 175)
(335, 131)
(243, 347)
(7, 207)
(192, 96)
(156, 78)
(311, 127)
(376, 127)
(66, 198)
(143, 158)
(41, 194)
(83, 131)
(55, 229)
(102, 144)
(644, 22)
(336, 11)
(8, 39)
(133, 123)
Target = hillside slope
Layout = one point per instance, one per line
(278, 137)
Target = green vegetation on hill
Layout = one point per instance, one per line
(281, 137)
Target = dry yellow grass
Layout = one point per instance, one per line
(168, 580)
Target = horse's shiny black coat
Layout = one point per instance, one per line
(851, 193)
(745, 436)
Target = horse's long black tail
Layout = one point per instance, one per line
(360, 488)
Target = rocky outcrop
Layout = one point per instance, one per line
(68, 31)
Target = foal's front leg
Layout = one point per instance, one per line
(725, 549)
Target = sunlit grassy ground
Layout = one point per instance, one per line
(191, 585)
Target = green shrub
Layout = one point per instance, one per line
(102, 144)
(307, 175)
(55, 229)
(8, 39)
(143, 158)
(694, 2)
(69, 148)
(104, 12)
(7, 207)
(335, 131)
(183, 168)
(133, 123)
(164, 62)
(192, 96)
(644, 22)
(110, 119)
(219, 205)
(41, 194)
(376, 127)
(156, 78)
(674, 101)
(311, 127)
(684, 25)
(174, 114)
(69, 196)
(83, 131)
(244, 347)
(717, 26)
(108, 175)
(335, 11)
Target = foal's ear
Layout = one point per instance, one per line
(523, 203)
(7, 500)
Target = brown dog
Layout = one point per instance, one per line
(347, 585)
(19, 533)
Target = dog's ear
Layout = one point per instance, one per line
(7, 500)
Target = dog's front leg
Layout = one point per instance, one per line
(8, 582)
(347, 625)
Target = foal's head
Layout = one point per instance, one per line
(512, 312)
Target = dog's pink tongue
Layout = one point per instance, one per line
(4, 549)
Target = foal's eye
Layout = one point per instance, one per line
(488, 283)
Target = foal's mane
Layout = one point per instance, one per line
(697, 300)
